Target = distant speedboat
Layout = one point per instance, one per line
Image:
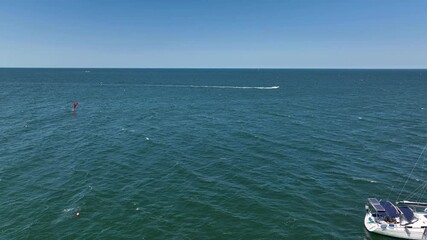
(406, 220)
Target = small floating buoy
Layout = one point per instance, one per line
(77, 214)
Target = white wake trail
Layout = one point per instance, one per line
(214, 86)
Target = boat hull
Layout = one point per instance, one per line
(393, 230)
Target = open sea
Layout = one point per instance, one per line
(205, 153)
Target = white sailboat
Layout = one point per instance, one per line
(407, 220)
(404, 219)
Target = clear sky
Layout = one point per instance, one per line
(214, 33)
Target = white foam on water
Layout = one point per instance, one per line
(127, 130)
(364, 180)
(68, 209)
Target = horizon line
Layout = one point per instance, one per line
(230, 68)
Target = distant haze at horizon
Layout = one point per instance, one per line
(214, 34)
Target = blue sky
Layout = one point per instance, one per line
(214, 33)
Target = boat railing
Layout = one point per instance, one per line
(413, 204)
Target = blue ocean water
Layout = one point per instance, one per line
(205, 153)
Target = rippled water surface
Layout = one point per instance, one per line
(205, 154)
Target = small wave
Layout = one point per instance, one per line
(127, 130)
(68, 209)
(364, 180)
